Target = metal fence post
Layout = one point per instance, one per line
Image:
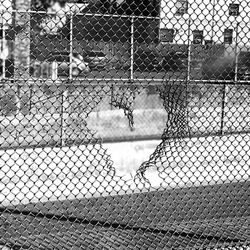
(236, 54)
(225, 85)
(65, 104)
(224, 90)
(112, 95)
(132, 50)
(4, 46)
(189, 51)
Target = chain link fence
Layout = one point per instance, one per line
(124, 124)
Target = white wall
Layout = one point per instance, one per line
(211, 16)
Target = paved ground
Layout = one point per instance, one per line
(189, 218)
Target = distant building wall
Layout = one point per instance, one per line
(211, 16)
(6, 12)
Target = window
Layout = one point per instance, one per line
(234, 9)
(228, 36)
(167, 35)
(197, 36)
(181, 7)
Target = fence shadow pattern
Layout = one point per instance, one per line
(124, 125)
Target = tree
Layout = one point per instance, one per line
(44, 5)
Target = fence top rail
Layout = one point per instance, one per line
(84, 14)
(116, 81)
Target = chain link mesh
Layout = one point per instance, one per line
(124, 124)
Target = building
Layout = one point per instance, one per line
(6, 13)
(206, 20)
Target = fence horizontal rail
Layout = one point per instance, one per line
(84, 14)
(140, 82)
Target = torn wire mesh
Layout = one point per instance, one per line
(124, 124)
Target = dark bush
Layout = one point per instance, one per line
(174, 61)
(222, 68)
(146, 60)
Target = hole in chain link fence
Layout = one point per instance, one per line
(124, 124)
